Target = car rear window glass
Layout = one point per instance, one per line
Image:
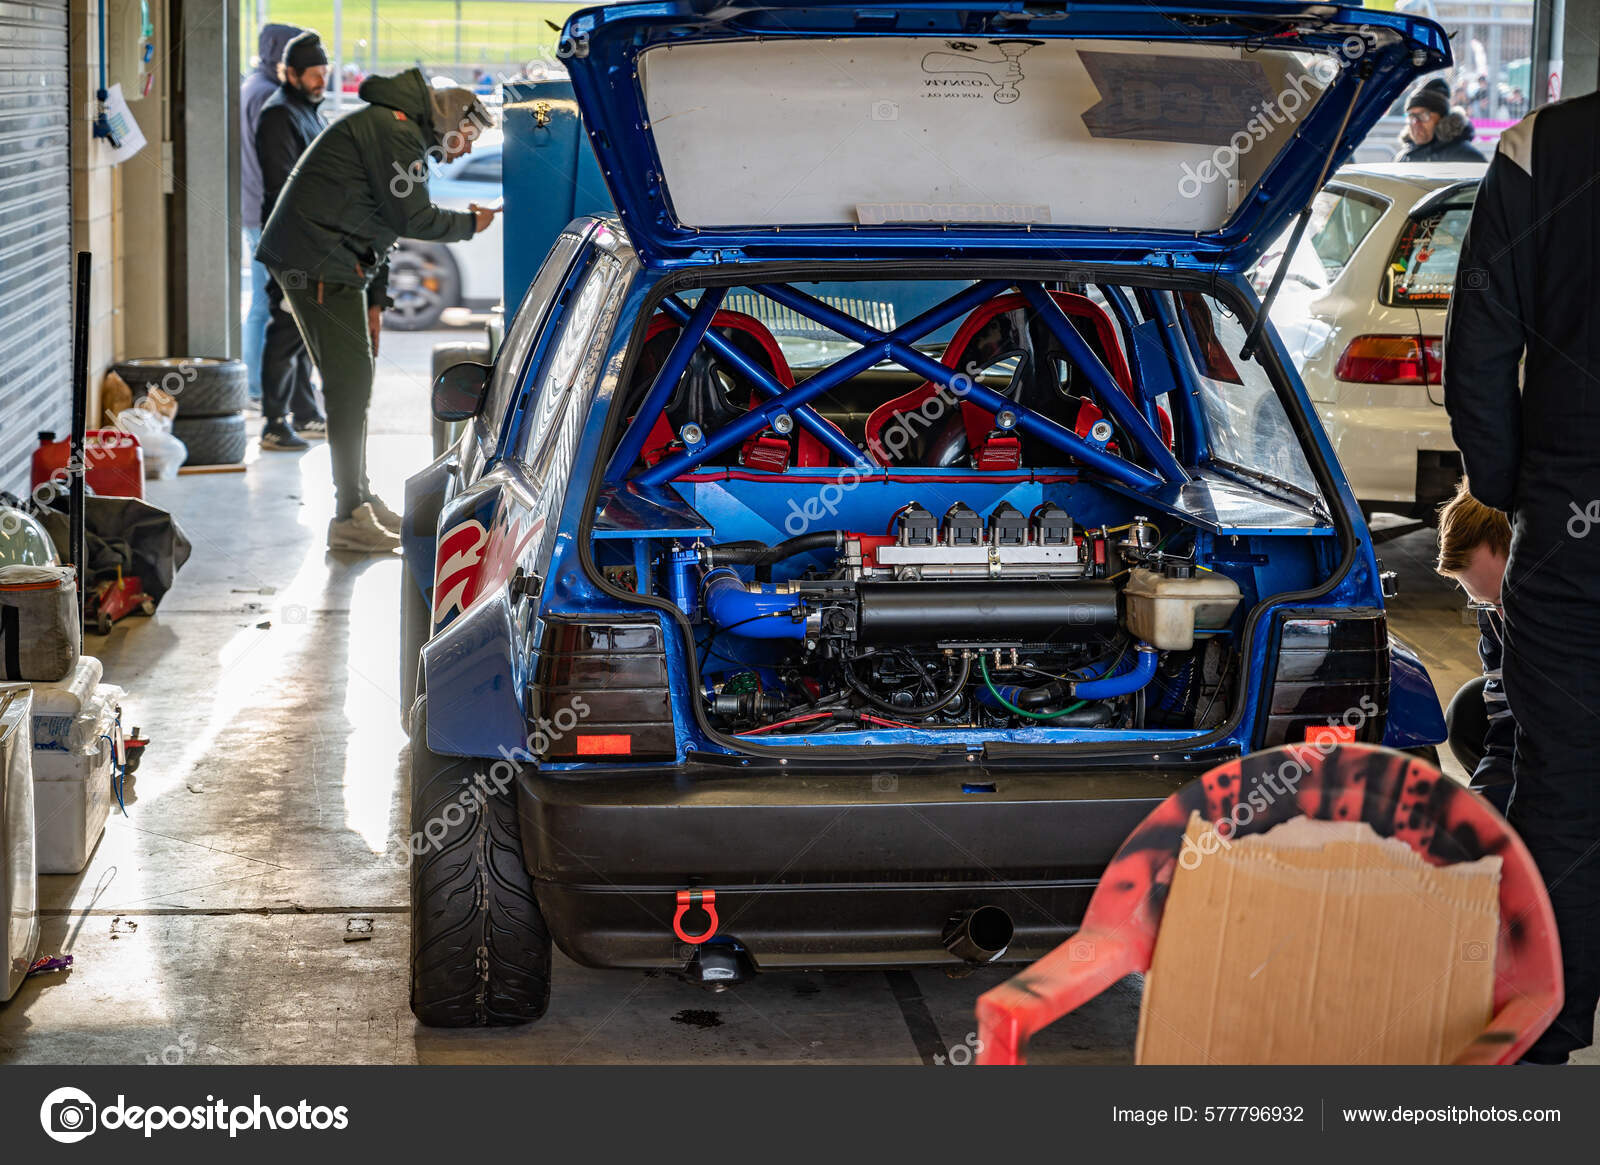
(570, 361)
(1422, 270)
(1245, 420)
(524, 330)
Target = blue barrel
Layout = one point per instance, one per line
(550, 176)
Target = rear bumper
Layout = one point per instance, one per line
(822, 870)
(1379, 446)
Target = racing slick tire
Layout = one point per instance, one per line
(480, 949)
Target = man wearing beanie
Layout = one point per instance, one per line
(362, 185)
(1434, 132)
(261, 84)
(290, 121)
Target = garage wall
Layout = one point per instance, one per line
(35, 231)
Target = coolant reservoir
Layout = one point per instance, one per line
(1166, 612)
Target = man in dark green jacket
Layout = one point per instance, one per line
(362, 185)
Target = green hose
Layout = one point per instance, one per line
(983, 667)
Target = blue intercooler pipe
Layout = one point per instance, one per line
(1122, 684)
(759, 614)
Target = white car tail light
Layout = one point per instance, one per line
(1392, 360)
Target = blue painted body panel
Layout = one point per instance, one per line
(481, 658)
(1415, 717)
(603, 45)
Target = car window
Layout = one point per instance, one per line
(573, 356)
(485, 169)
(1245, 421)
(1340, 220)
(1422, 270)
(508, 368)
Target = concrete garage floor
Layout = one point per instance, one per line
(251, 908)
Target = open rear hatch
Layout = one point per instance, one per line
(740, 130)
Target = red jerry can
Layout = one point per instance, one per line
(114, 460)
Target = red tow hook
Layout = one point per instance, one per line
(687, 900)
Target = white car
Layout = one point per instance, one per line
(1362, 312)
(427, 278)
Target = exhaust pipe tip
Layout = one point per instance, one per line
(719, 966)
(979, 936)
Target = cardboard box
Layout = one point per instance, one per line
(1319, 942)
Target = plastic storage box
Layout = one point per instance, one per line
(19, 894)
(57, 706)
(72, 788)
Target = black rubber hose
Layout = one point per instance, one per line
(1091, 715)
(1044, 698)
(756, 554)
(894, 709)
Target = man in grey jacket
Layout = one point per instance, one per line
(261, 83)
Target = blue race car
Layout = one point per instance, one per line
(856, 536)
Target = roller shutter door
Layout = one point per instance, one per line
(35, 232)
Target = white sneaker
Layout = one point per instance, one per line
(362, 533)
(384, 514)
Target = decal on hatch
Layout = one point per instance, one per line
(957, 74)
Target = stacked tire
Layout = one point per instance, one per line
(211, 396)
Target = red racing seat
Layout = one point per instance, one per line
(706, 394)
(1005, 328)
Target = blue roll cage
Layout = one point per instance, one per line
(1136, 419)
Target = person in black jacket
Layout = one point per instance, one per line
(289, 122)
(1522, 386)
(259, 84)
(1474, 543)
(1434, 131)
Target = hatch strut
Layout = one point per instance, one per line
(1253, 338)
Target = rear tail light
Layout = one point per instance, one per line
(1392, 360)
(602, 694)
(1327, 678)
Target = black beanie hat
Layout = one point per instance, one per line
(304, 52)
(1434, 96)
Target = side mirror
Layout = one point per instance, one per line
(460, 390)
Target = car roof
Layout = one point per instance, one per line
(1395, 178)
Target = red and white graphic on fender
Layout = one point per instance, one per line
(458, 569)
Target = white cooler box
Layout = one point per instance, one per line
(19, 888)
(57, 706)
(72, 788)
